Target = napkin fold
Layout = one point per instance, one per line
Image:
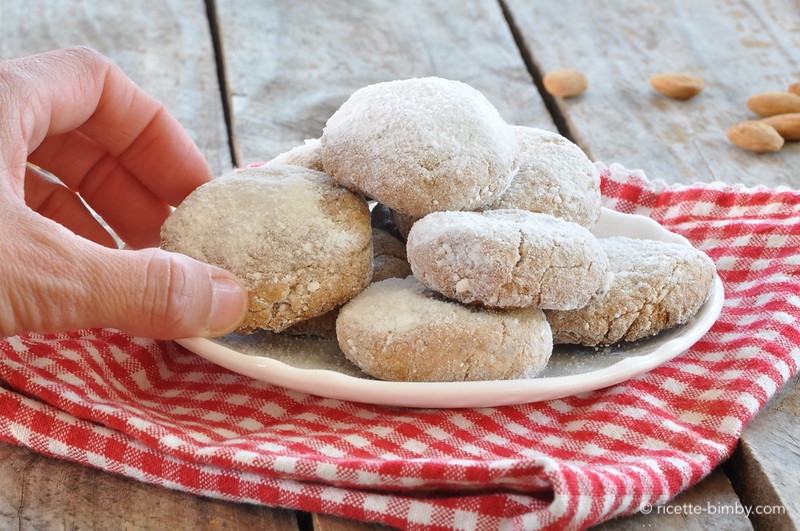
(153, 411)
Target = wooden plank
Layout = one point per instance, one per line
(290, 65)
(43, 493)
(164, 46)
(711, 504)
(740, 47)
(765, 466)
(324, 522)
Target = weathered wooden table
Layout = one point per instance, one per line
(252, 78)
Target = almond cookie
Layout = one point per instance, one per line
(507, 259)
(403, 222)
(307, 155)
(555, 177)
(388, 261)
(389, 257)
(399, 330)
(300, 243)
(420, 145)
(657, 285)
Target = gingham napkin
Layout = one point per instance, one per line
(153, 411)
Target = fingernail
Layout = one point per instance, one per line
(228, 306)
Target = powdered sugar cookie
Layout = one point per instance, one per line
(657, 285)
(399, 330)
(307, 155)
(403, 222)
(507, 259)
(555, 177)
(388, 261)
(420, 145)
(389, 257)
(300, 243)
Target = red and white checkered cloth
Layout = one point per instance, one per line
(153, 411)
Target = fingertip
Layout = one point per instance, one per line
(171, 296)
(229, 303)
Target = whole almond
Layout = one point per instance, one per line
(787, 125)
(772, 103)
(678, 86)
(755, 135)
(794, 88)
(565, 83)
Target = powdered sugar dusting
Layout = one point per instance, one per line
(555, 177)
(507, 258)
(266, 214)
(420, 145)
(307, 155)
(300, 243)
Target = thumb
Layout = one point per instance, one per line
(155, 293)
(58, 282)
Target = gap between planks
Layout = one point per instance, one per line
(551, 103)
(222, 78)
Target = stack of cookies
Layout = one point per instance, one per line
(478, 256)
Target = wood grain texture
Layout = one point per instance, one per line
(324, 522)
(740, 47)
(164, 46)
(765, 467)
(43, 493)
(290, 65)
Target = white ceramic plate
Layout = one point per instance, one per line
(317, 366)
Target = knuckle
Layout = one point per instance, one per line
(167, 294)
(86, 54)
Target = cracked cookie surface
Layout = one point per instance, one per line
(656, 285)
(300, 243)
(399, 330)
(507, 258)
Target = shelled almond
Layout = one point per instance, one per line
(787, 125)
(772, 103)
(756, 135)
(678, 86)
(565, 83)
(780, 112)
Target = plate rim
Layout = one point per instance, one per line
(332, 384)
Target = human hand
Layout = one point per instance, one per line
(75, 114)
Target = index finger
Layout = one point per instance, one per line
(78, 88)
